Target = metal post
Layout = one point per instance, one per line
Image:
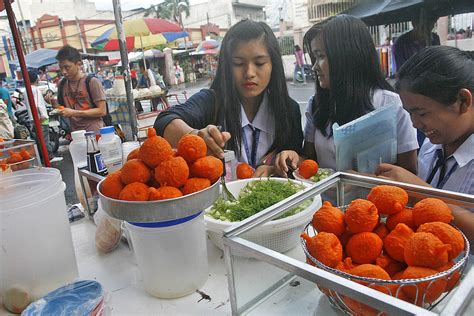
(26, 80)
(83, 45)
(126, 68)
(27, 35)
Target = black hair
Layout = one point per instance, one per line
(69, 53)
(438, 72)
(33, 75)
(297, 47)
(227, 96)
(354, 71)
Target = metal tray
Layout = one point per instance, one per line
(160, 211)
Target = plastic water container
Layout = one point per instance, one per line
(78, 150)
(36, 249)
(127, 148)
(110, 146)
(171, 255)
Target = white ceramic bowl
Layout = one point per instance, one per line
(280, 235)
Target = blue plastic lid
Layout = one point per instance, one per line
(107, 130)
(77, 298)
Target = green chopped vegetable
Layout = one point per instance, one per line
(255, 197)
(320, 175)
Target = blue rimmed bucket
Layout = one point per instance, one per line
(171, 255)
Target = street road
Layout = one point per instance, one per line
(300, 93)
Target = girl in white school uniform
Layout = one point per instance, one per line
(350, 84)
(248, 98)
(436, 87)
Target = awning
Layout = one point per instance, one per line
(380, 12)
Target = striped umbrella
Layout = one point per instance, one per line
(140, 33)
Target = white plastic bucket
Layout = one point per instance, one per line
(36, 249)
(172, 256)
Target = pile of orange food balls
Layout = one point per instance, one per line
(155, 171)
(380, 238)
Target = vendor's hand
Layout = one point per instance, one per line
(263, 171)
(67, 112)
(396, 173)
(285, 160)
(215, 140)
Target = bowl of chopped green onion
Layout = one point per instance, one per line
(322, 173)
(253, 196)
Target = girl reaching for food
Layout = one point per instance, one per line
(248, 98)
(436, 87)
(350, 84)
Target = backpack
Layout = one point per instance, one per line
(107, 118)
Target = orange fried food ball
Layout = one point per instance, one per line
(394, 243)
(244, 171)
(431, 210)
(208, 167)
(324, 247)
(361, 216)
(14, 157)
(381, 230)
(426, 250)
(155, 149)
(25, 154)
(405, 217)
(388, 199)
(135, 171)
(429, 290)
(134, 154)
(329, 219)
(447, 234)
(112, 185)
(308, 168)
(191, 148)
(135, 191)
(364, 247)
(368, 271)
(346, 265)
(164, 193)
(173, 172)
(195, 185)
(453, 278)
(389, 264)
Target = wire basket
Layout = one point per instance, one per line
(419, 288)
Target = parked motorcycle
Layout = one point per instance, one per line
(308, 71)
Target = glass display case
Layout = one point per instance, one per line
(264, 281)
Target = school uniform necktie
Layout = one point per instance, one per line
(252, 155)
(441, 166)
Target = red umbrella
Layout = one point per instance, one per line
(140, 33)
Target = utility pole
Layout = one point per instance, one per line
(23, 24)
(126, 68)
(83, 45)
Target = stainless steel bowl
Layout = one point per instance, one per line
(159, 211)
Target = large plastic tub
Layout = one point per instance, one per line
(36, 250)
(171, 255)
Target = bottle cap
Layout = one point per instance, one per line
(77, 135)
(107, 130)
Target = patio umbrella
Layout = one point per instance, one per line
(379, 12)
(210, 47)
(140, 33)
(39, 58)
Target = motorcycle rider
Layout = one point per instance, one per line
(43, 114)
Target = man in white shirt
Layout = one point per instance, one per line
(42, 113)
